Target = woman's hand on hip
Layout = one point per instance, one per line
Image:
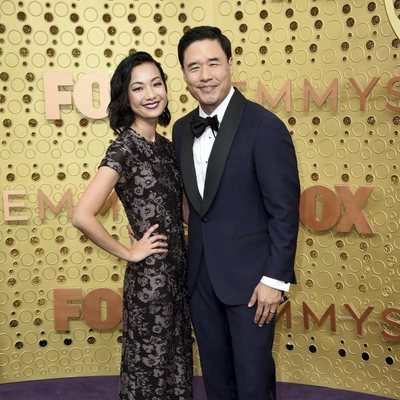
(151, 243)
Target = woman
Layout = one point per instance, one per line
(140, 165)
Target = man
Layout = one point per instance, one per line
(241, 182)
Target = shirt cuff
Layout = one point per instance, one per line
(274, 283)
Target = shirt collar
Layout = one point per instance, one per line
(220, 110)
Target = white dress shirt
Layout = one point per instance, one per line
(202, 147)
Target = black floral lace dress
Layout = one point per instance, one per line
(156, 349)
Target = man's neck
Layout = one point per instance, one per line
(220, 109)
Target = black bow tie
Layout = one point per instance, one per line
(199, 124)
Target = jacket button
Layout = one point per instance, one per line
(204, 219)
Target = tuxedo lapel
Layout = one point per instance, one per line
(187, 168)
(220, 150)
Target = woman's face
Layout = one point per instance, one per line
(147, 93)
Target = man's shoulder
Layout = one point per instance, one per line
(258, 115)
(182, 125)
(256, 110)
(186, 118)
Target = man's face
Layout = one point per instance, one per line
(207, 73)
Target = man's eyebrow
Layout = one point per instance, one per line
(208, 60)
(192, 64)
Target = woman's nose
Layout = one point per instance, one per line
(149, 93)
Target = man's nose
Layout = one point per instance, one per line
(205, 73)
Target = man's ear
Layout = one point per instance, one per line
(230, 62)
(183, 73)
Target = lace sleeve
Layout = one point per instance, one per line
(116, 157)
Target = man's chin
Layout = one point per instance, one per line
(207, 101)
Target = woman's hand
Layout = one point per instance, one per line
(148, 245)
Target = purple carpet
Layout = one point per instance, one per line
(106, 388)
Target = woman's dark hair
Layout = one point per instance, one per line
(119, 110)
(203, 33)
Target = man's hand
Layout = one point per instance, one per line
(268, 300)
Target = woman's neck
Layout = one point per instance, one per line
(147, 130)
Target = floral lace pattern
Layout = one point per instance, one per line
(157, 348)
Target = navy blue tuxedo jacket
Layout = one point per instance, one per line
(247, 221)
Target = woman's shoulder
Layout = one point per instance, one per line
(126, 134)
(123, 138)
(122, 144)
(164, 140)
(165, 145)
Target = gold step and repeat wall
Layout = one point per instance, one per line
(329, 69)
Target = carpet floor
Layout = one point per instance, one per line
(106, 388)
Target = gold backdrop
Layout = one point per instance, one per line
(327, 68)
